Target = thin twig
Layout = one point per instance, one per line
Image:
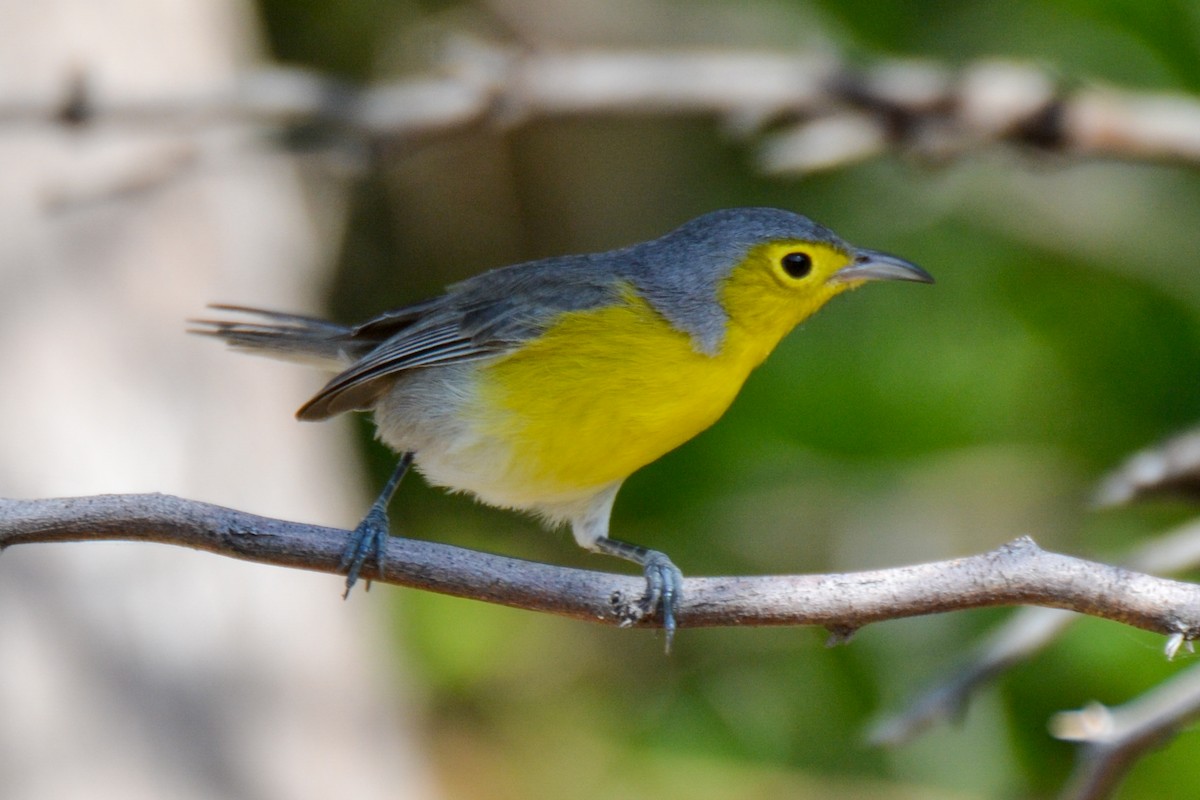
(1018, 573)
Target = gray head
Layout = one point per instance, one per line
(743, 228)
(681, 273)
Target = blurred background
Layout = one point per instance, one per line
(901, 424)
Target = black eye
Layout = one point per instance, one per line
(797, 265)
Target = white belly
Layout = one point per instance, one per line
(429, 413)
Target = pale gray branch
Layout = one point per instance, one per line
(826, 113)
(1018, 573)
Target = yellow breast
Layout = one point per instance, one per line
(604, 392)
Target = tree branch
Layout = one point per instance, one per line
(1018, 573)
(825, 113)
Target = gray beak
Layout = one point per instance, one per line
(872, 265)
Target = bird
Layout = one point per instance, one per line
(542, 386)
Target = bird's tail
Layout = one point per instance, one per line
(291, 337)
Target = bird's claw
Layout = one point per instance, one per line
(369, 538)
(664, 590)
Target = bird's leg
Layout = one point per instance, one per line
(372, 533)
(664, 581)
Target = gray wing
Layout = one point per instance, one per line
(482, 317)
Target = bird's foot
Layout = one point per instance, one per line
(369, 538)
(664, 590)
(664, 585)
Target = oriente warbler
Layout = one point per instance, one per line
(543, 386)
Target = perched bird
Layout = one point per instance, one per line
(542, 386)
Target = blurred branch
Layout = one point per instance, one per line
(1115, 738)
(822, 113)
(1016, 573)
(1171, 468)
(1022, 635)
